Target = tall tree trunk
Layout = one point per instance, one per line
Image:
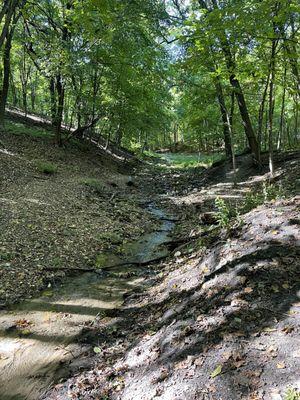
(248, 128)
(52, 100)
(272, 99)
(231, 67)
(13, 90)
(6, 75)
(224, 115)
(60, 108)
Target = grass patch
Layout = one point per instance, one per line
(94, 185)
(46, 167)
(185, 160)
(19, 129)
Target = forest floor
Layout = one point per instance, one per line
(217, 319)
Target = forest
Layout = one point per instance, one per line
(149, 199)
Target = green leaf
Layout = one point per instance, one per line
(97, 350)
(216, 372)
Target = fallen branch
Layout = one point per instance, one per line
(108, 268)
(55, 269)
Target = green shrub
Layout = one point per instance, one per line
(46, 167)
(223, 214)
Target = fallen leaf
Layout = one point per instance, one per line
(216, 372)
(280, 365)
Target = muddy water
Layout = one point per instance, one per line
(39, 337)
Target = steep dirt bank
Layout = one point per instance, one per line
(222, 319)
(59, 220)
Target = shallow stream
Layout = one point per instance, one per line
(40, 337)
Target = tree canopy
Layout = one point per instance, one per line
(210, 75)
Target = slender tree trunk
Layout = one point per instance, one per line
(296, 121)
(272, 101)
(262, 110)
(288, 134)
(108, 135)
(33, 92)
(265, 135)
(119, 135)
(230, 124)
(281, 126)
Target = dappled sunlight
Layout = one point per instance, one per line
(9, 201)
(6, 152)
(36, 201)
(23, 371)
(222, 334)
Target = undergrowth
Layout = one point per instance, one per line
(228, 216)
(46, 167)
